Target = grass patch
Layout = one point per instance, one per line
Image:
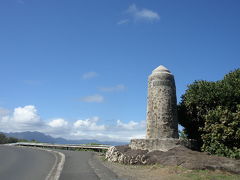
(208, 175)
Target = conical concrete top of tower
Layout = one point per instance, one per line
(161, 69)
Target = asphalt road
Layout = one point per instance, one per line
(81, 165)
(21, 163)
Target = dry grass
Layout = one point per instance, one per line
(158, 172)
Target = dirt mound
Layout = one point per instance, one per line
(179, 156)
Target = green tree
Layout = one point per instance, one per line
(3, 138)
(200, 104)
(12, 140)
(196, 102)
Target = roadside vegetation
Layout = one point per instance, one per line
(5, 140)
(158, 171)
(210, 114)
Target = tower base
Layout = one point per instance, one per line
(163, 144)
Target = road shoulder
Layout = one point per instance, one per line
(100, 169)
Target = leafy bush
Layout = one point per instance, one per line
(221, 133)
(209, 112)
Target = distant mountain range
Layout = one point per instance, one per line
(41, 137)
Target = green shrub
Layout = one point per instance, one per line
(221, 133)
(209, 113)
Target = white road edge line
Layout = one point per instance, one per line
(56, 170)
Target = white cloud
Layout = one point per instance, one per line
(144, 14)
(89, 75)
(89, 124)
(136, 14)
(26, 118)
(119, 87)
(94, 98)
(58, 123)
(131, 125)
(26, 114)
(21, 119)
(123, 21)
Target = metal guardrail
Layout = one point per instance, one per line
(64, 146)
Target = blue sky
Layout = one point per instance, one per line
(79, 68)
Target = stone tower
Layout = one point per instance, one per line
(162, 123)
(161, 109)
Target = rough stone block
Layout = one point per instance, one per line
(163, 144)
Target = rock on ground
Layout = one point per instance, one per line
(179, 156)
